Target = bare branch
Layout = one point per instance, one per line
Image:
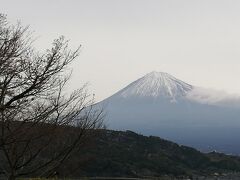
(40, 125)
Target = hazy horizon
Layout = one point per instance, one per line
(195, 41)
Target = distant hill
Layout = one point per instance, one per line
(127, 154)
(162, 105)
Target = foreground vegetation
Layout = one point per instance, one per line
(127, 154)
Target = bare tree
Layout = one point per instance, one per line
(40, 124)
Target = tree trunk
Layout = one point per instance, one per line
(11, 177)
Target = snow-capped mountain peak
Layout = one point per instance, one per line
(160, 104)
(156, 84)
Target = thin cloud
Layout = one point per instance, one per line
(214, 97)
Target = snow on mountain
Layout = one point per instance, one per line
(156, 84)
(159, 85)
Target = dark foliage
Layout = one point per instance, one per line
(128, 154)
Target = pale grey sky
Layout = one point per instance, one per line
(197, 41)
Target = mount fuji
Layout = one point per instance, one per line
(155, 85)
(162, 105)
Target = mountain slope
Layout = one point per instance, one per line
(159, 104)
(127, 154)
